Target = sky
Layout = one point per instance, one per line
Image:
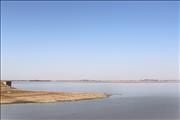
(78, 40)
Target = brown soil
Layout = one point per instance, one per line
(13, 95)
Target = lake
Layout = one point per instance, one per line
(137, 101)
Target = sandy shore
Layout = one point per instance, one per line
(13, 95)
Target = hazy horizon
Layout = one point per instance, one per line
(89, 40)
(90, 80)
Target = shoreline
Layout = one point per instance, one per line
(97, 81)
(65, 101)
(16, 96)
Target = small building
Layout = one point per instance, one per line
(8, 83)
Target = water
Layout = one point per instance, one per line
(157, 101)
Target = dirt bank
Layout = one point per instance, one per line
(12, 95)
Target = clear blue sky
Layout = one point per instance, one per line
(89, 40)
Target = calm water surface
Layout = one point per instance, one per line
(140, 101)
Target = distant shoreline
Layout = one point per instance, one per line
(100, 81)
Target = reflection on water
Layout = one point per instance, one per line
(138, 101)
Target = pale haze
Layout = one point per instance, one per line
(89, 40)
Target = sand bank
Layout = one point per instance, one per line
(12, 95)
